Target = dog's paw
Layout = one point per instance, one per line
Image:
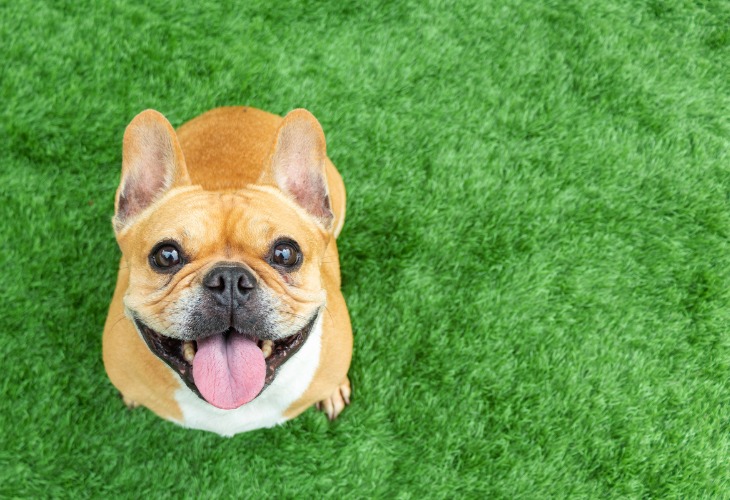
(336, 402)
(129, 403)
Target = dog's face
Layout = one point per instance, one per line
(223, 287)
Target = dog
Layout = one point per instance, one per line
(227, 314)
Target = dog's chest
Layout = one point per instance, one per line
(268, 409)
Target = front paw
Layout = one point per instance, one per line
(128, 402)
(336, 402)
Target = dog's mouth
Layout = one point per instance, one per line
(227, 369)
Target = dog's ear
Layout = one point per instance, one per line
(298, 162)
(152, 163)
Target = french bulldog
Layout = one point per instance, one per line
(227, 314)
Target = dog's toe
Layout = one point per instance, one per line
(336, 402)
(129, 403)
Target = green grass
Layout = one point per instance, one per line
(536, 255)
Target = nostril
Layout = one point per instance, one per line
(215, 282)
(246, 284)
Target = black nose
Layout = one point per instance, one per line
(230, 284)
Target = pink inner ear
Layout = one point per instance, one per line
(310, 192)
(140, 191)
(299, 166)
(149, 167)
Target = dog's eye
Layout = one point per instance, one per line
(166, 256)
(285, 255)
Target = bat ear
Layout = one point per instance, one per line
(297, 165)
(152, 164)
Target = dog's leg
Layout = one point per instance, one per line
(336, 402)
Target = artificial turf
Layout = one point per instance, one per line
(535, 255)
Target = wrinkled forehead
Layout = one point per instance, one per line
(248, 221)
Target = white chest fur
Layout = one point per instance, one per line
(267, 410)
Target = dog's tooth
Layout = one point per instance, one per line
(188, 352)
(267, 348)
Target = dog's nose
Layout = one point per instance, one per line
(230, 284)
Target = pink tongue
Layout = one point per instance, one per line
(230, 371)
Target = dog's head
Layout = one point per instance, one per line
(223, 286)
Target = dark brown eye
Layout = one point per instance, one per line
(166, 256)
(285, 255)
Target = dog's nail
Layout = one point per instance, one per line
(188, 352)
(345, 393)
(267, 348)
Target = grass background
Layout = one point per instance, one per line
(535, 259)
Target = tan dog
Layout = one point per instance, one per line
(228, 315)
